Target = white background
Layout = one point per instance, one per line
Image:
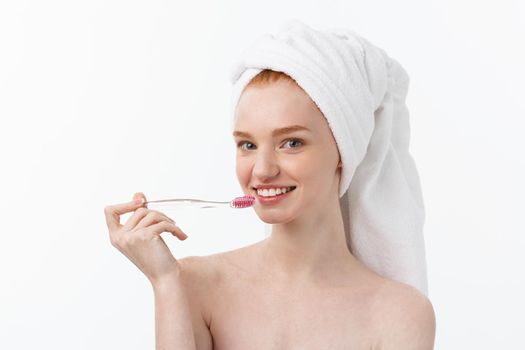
(101, 99)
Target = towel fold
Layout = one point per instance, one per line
(361, 91)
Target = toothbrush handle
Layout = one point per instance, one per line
(188, 202)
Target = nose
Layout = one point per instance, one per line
(266, 166)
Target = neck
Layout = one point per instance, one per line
(310, 248)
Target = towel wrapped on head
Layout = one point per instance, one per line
(361, 92)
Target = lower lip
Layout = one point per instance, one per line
(273, 200)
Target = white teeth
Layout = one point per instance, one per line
(273, 191)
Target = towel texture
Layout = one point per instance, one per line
(361, 92)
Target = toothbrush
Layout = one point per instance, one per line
(239, 202)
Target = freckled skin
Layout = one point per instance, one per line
(301, 287)
(311, 164)
(250, 308)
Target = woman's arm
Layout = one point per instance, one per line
(139, 239)
(173, 322)
(181, 321)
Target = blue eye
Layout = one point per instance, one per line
(241, 143)
(294, 140)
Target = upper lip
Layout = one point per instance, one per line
(262, 187)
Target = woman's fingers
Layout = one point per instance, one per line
(165, 226)
(139, 195)
(113, 213)
(134, 219)
(152, 221)
(137, 219)
(139, 238)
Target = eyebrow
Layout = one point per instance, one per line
(276, 132)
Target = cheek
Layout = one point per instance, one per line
(242, 169)
(307, 173)
(312, 170)
(308, 162)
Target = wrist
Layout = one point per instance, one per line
(168, 281)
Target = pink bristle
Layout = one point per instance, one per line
(243, 202)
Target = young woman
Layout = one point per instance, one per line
(301, 287)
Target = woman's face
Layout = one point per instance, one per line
(307, 159)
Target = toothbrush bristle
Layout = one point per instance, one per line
(243, 202)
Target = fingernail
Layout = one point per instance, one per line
(139, 201)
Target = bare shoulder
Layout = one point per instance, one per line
(199, 273)
(405, 317)
(203, 277)
(203, 272)
(209, 266)
(198, 267)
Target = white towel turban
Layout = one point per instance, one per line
(361, 91)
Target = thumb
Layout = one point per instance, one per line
(139, 195)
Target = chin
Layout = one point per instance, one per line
(275, 222)
(275, 218)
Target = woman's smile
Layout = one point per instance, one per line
(271, 196)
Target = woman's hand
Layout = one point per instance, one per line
(139, 238)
